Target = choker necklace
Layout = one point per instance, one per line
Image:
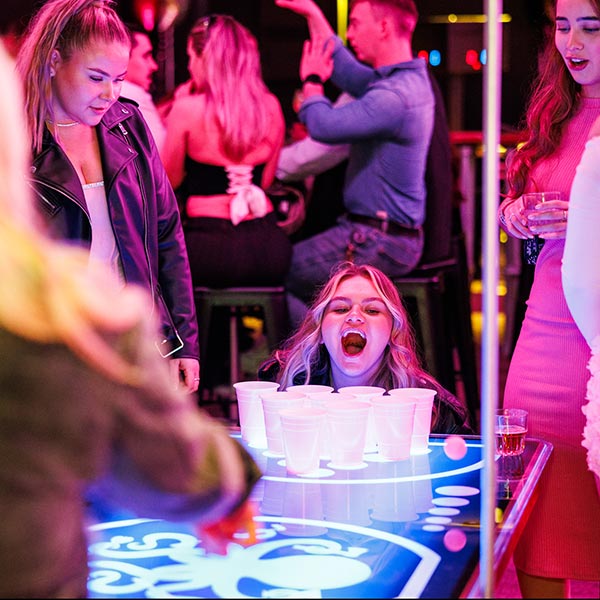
(72, 124)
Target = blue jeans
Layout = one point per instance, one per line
(314, 258)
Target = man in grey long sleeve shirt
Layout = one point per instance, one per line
(388, 127)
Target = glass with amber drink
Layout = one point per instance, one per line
(511, 428)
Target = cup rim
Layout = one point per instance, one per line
(511, 412)
(310, 388)
(276, 395)
(347, 405)
(417, 392)
(542, 193)
(251, 385)
(357, 389)
(303, 411)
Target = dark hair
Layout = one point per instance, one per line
(134, 28)
(553, 101)
(405, 12)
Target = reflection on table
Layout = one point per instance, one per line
(389, 529)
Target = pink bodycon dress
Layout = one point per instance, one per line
(548, 376)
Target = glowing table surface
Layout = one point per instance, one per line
(403, 529)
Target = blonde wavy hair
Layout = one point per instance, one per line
(50, 292)
(400, 365)
(233, 84)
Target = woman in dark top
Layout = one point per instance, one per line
(357, 333)
(224, 133)
(98, 176)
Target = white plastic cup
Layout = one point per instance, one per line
(394, 420)
(321, 400)
(347, 422)
(300, 428)
(363, 392)
(308, 389)
(250, 410)
(423, 397)
(272, 403)
(366, 392)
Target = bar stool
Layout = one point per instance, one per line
(437, 298)
(271, 300)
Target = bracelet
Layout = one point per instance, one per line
(501, 215)
(312, 78)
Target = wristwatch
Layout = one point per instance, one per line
(312, 78)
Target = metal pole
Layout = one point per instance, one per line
(489, 344)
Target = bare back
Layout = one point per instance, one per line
(192, 130)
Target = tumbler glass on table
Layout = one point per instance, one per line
(511, 427)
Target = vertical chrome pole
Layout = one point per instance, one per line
(490, 343)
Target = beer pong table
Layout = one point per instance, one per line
(406, 529)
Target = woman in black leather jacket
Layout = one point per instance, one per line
(96, 169)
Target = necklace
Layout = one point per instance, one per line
(72, 124)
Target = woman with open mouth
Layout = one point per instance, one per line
(357, 332)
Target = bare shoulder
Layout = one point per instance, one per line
(186, 109)
(275, 110)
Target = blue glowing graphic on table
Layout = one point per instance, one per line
(391, 529)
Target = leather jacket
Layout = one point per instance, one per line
(143, 212)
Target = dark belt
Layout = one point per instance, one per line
(386, 226)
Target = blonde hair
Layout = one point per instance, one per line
(50, 294)
(234, 88)
(65, 26)
(400, 365)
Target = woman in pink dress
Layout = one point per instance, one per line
(547, 374)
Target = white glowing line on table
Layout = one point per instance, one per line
(468, 469)
(422, 573)
(115, 524)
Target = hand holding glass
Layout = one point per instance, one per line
(552, 214)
